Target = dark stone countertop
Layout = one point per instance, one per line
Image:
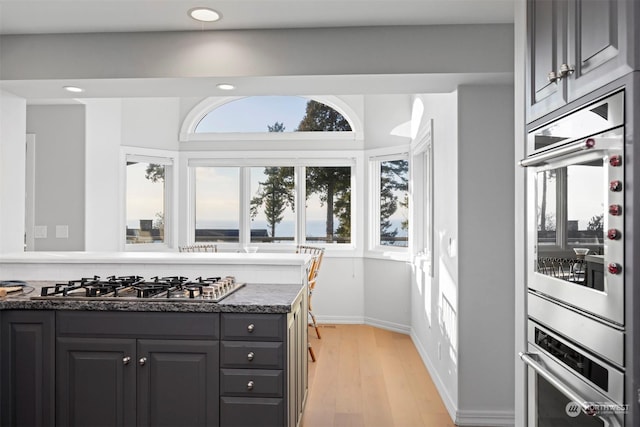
(251, 298)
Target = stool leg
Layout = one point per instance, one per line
(314, 324)
(312, 354)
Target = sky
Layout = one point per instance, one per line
(254, 114)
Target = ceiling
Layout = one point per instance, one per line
(83, 16)
(78, 16)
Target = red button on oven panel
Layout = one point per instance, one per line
(613, 234)
(615, 185)
(615, 210)
(615, 160)
(614, 268)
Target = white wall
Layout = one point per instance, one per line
(151, 122)
(12, 172)
(59, 178)
(486, 254)
(462, 318)
(339, 294)
(388, 120)
(104, 203)
(433, 329)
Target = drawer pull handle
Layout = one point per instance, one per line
(142, 361)
(250, 356)
(250, 328)
(250, 385)
(126, 360)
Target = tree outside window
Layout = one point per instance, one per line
(394, 202)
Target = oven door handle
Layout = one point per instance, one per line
(575, 147)
(587, 407)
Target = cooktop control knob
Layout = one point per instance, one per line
(613, 234)
(614, 268)
(615, 185)
(615, 160)
(615, 210)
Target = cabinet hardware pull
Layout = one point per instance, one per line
(250, 385)
(553, 77)
(565, 70)
(250, 328)
(126, 360)
(142, 361)
(250, 356)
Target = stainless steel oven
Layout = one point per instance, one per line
(569, 385)
(576, 210)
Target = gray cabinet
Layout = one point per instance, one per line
(260, 369)
(133, 376)
(27, 368)
(96, 382)
(576, 47)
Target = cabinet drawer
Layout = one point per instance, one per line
(130, 324)
(251, 412)
(251, 382)
(252, 327)
(250, 354)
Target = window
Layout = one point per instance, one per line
(328, 204)
(390, 197)
(146, 199)
(272, 204)
(272, 114)
(217, 204)
(260, 204)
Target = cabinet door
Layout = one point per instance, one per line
(96, 382)
(178, 383)
(28, 342)
(546, 51)
(598, 44)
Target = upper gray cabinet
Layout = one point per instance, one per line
(575, 47)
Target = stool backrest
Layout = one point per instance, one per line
(317, 254)
(198, 248)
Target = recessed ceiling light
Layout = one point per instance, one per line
(73, 89)
(225, 86)
(204, 14)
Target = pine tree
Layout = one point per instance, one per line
(332, 184)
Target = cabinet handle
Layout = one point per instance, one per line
(553, 77)
(250, 385)
(126, 360)
(250, 328)
(250, 356)
(565, 70)
(142, 361)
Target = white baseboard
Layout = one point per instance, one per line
(389, 326)
(486, 418)
(355, 320)
(462, 418)
(451, 406)
(340, 320)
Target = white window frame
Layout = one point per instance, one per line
(191, 139)
(374, 159)
(299, 160)
(421, 187)
(170, 160)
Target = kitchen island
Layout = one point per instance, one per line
(239, 361)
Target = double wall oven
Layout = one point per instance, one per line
(575, 268)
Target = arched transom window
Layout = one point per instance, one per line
(269, 114)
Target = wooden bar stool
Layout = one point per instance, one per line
(317, 254)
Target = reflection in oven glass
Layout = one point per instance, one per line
(570, 223)
(556, 410)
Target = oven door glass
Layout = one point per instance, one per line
(570, 223)
(556, 410)
(576, 224)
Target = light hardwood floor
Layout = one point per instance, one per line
(369, 377)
